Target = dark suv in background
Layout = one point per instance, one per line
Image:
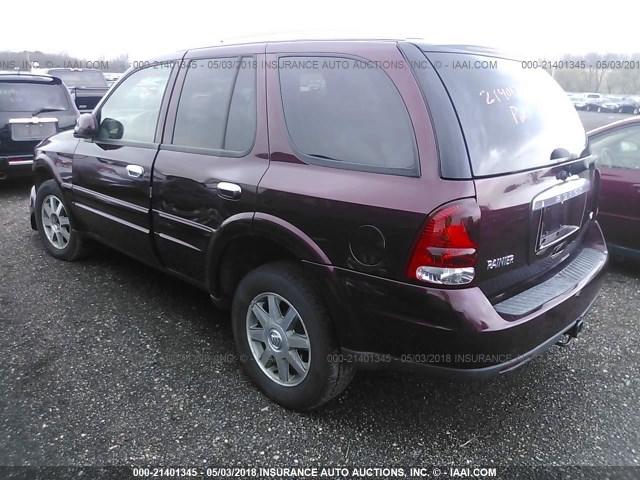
(32, 108)
(356, 203)
(86, 85)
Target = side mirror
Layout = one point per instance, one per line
(86, 126)
(111, 128)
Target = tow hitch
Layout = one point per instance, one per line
(570, 334)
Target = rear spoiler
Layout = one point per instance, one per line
(30, 78)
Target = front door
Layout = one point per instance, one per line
(112, 172)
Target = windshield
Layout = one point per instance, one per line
(512, 118)
(80, 78)
(31, 97)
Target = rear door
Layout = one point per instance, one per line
(213, 155)
(527, 148)
(618, 153)
(112, 173)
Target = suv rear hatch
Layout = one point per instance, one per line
(530, 164)
(31, 110)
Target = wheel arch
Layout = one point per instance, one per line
(247, 241)
(43, 170)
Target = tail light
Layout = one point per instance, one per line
(447, 249)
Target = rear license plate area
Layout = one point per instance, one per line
(24, 130)
(556, 224)
(558, 213)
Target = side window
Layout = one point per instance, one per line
(348, 114)
(131, 111)
(217, 108)
(241, 127)
(618, 149)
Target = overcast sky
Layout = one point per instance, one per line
(142, 29)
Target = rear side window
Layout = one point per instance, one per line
(512, 118)
(217, 108)
(31, 97)
(346, 113)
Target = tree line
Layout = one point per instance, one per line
(602, 73)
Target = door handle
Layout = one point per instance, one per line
(135, 171)
(637, 187)
(229, 190)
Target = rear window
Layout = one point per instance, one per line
(31, 97)
(80, 78)
(512, 118)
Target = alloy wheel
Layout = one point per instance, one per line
(55, 221)
(278, 339)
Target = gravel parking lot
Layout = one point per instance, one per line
(106, 362)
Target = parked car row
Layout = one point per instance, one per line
(595, 102)
(86, 85)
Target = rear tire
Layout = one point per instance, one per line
(56, 225)
(285, 338)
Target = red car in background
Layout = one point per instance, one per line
(617, 146)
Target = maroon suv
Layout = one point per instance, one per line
(356, 203)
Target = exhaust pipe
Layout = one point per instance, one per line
(565, 341)
(3, 176)
(570, 334)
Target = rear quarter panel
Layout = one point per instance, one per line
(329, 204)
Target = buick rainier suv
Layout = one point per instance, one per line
(373, 204)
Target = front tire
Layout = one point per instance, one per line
(56, 225)
(285, 338)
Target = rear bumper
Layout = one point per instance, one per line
(413, 363)
(15, 166)
(393, 325)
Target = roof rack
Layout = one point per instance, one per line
(306, 35)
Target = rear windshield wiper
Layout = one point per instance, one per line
(48, 109)
(560, 155)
